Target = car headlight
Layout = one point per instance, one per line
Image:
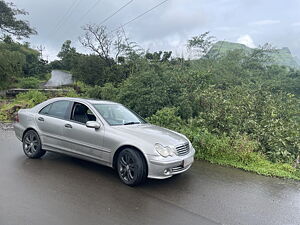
(164, 151)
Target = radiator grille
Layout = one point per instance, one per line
(183, 149)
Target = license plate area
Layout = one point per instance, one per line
(188, 161)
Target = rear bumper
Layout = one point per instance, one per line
(161, 168)
(19, 130)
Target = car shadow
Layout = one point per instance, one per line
(56, 164)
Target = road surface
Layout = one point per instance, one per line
(59, 78)
(62, 190)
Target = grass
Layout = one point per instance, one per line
(240, 152)
(260, 166)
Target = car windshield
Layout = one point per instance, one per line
(116, 114)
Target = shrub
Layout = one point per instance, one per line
(23, 100)
(240, 151)
(31, 98)
(149, 90)
(270, 119)
(94, 92)
(167, 117)
(106, 92)
(80, 87)
(29, 82)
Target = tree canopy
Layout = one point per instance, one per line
(10, 24)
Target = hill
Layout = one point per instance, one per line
(281, 56)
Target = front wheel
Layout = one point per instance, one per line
(132, 168)
(32, 145)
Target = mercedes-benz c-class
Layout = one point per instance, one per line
(104, 132)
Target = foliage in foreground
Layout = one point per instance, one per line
(240, 152)
(22, 100)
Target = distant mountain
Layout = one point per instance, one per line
(282, 56)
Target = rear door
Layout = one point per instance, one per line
(50, 121)
(79, 138)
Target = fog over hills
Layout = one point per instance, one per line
(282, 56)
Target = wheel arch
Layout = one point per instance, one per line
(117, 152)
(28, 129)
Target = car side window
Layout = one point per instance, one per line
(81, 113)
(59, 109)
(45, 110)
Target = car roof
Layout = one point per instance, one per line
(91, 101)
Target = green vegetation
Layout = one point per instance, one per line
(22, 100)
(29, 82)
(10, 25)
(240, 152)
(19, 62)
(238, 106)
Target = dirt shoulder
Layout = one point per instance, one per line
(6, 126)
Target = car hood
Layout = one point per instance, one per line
(153, 134)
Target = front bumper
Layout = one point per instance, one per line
(161, 168)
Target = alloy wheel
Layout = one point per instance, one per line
(31, 143)
(127, 167)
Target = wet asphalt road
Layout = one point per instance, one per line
(59, 78)
(62, 190)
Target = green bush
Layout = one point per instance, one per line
(167, 117)
(30, 98)
(270, 119)
(106, 92)
(240, 151)
(44, 77)
(29, 82)
(22, 100)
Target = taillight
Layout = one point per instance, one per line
(17, 118)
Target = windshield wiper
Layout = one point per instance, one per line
(129, 123)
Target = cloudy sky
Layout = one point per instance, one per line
(167, 27)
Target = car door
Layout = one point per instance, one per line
(79, 138)
(50, 122)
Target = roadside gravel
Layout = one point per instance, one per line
(6, 126)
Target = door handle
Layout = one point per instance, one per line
(41, 119)
(68, 125)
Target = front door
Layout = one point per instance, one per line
(80, 139)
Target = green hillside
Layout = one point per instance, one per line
(281, 56)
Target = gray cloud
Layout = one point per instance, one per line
(170, 25)
(264, 22)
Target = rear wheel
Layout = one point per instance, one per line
(32, 145)
(132, 168)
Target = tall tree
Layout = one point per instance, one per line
(10, 25)
(68, 55)
(105, 44)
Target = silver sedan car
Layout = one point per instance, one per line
(104, 132)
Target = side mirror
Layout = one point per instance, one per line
(92, 124)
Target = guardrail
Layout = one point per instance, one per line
(15, 91)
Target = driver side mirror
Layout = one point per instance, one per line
(92, 124)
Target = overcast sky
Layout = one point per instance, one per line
(251, 22)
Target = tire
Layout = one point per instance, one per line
(32, 145)
(131, 166)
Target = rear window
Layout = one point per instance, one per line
(46, 109)
(57, 109)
